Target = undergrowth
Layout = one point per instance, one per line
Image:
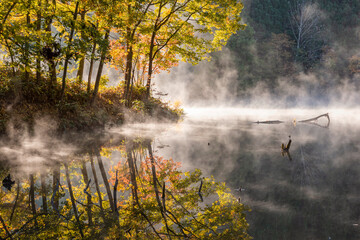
(24, 101)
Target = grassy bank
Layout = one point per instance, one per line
(22, 102)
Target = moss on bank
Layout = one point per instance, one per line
(22, 102)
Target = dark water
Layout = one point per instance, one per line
(310, 192)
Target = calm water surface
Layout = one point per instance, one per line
(314, 194)
(310, 192)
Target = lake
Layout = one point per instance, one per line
(309, 191)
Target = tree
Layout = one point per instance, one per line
(306, 28)
(191, 29)
(68, 53)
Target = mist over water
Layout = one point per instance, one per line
(312, 194)
(315, 195)
(217, 84)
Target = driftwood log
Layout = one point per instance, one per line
(309, 121)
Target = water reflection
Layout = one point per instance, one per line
(117, 189)
(312, 192)
(313, 196)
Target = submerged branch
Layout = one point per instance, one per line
(199, 192)
(311, 120)
(269, 122)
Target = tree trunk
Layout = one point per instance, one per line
(80, 72)
(67, 57)
(16, 200)
(161, 206)
(128, 69)
(27, 48)
(106, 182)
(132, 174)
(97, 186)
(56, 180)
(150, 68)
(89, 202)
(43, 193)
(72, 198)
(38, 28)
(32, 196)
(11, 57)
(101, 65)
(52, 64)
(91, 67)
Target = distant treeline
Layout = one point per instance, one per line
(286, 37)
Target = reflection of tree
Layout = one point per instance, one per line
(152, 199)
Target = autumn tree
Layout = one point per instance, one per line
(191, 29)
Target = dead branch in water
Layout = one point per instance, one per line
(269, 122)
(312, 120)
(309, 121)
(316, 118)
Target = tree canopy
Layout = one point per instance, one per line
(140, 37)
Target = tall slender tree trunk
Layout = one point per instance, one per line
(52, 64)
(89, 202)
(11, 56)
(72, 198)
(80, 72)
(38, 28)
(132, 174)
(43, 193)
(153, 170)
(129, 59)
(106, 182)
(131, 89)
(56, 180)
(97, 186)
(16, 200)
(32, 196)
(91, 67)
(27, 48)
(67, 57)
(134, 187)
(150, 68)
(101, 65)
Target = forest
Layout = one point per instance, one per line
(311, 45)
(76, 78)
(84, 184)
(55, 52)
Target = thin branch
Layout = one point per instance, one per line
(199, 192)
(4, 226)
(16, 199)
(190, 213)
(23, 226)
(6, 16)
